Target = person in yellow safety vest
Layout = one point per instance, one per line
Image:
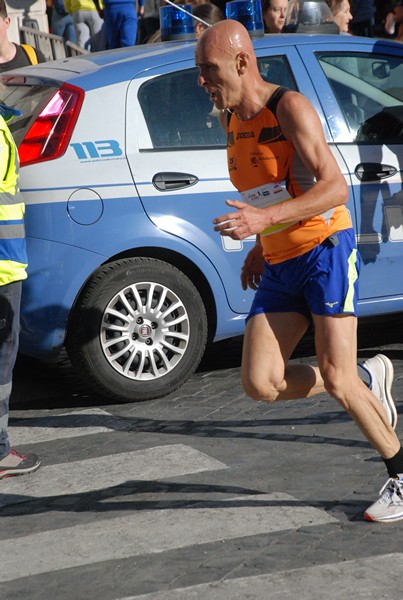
(13, 264)
(88, 23)
(13, 56)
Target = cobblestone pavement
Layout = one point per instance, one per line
(203, 494)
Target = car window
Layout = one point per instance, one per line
(276, 69)
(179, 113)
(28, 98)
(369, 90)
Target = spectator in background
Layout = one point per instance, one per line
(61, 23)
(394, 21)
(363, 12)
(88, 24)
(221, 5)
(150, 21)
(207, 11)
(274, 12)
(121, 22)
(13, 56)
(193, 3)
(341, 14)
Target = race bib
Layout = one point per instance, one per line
(267, 195)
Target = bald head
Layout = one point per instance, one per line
(228, 68)
(227, 36)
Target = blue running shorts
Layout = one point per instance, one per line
(323, 281)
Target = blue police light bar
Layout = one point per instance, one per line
(247, 12)
(176, 24)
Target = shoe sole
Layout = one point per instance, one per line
(390, 404)
(368, 517)
(17, 472)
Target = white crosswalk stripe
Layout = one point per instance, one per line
(73, 424)
(361, 579)
(155, 531)
(107, 471)
(138, 532)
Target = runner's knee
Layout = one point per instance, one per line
(337, 385)
(260, 389)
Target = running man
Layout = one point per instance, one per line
(305, 262)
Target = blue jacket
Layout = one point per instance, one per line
(58, 6)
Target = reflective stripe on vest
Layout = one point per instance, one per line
(13, 257)
(11, 271)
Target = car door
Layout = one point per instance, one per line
(176, 150)
(177, 156)
(365, 115)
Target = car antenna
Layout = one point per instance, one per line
(188, 13)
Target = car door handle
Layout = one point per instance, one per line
(168, 180)
(374, 171)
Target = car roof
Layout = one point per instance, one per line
(99, 69)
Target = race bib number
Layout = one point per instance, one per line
(268, 195)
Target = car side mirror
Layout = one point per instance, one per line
(380, 70)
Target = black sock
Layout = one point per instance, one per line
(394, 465)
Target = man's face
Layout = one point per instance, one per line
(4, 25)
(218, 75)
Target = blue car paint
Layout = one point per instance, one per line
(64, 254)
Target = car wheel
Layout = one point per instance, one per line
(138, 330)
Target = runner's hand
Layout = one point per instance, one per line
(253, 268)
(245, 221)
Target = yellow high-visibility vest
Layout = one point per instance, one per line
(13, 256)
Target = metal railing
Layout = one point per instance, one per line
(52, 46)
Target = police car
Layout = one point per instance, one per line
(123, 168)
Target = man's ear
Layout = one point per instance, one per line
(242, 62)
(199, 30)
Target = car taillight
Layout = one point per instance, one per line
(49, 135)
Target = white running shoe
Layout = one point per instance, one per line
(389, 507)
(380, 370)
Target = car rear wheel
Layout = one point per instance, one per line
(138, 330)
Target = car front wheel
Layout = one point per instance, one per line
(138, 330)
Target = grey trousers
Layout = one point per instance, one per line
(89, 30)
(10, 300)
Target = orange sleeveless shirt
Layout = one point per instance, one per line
(265, 168)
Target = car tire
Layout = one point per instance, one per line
(138, 330)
